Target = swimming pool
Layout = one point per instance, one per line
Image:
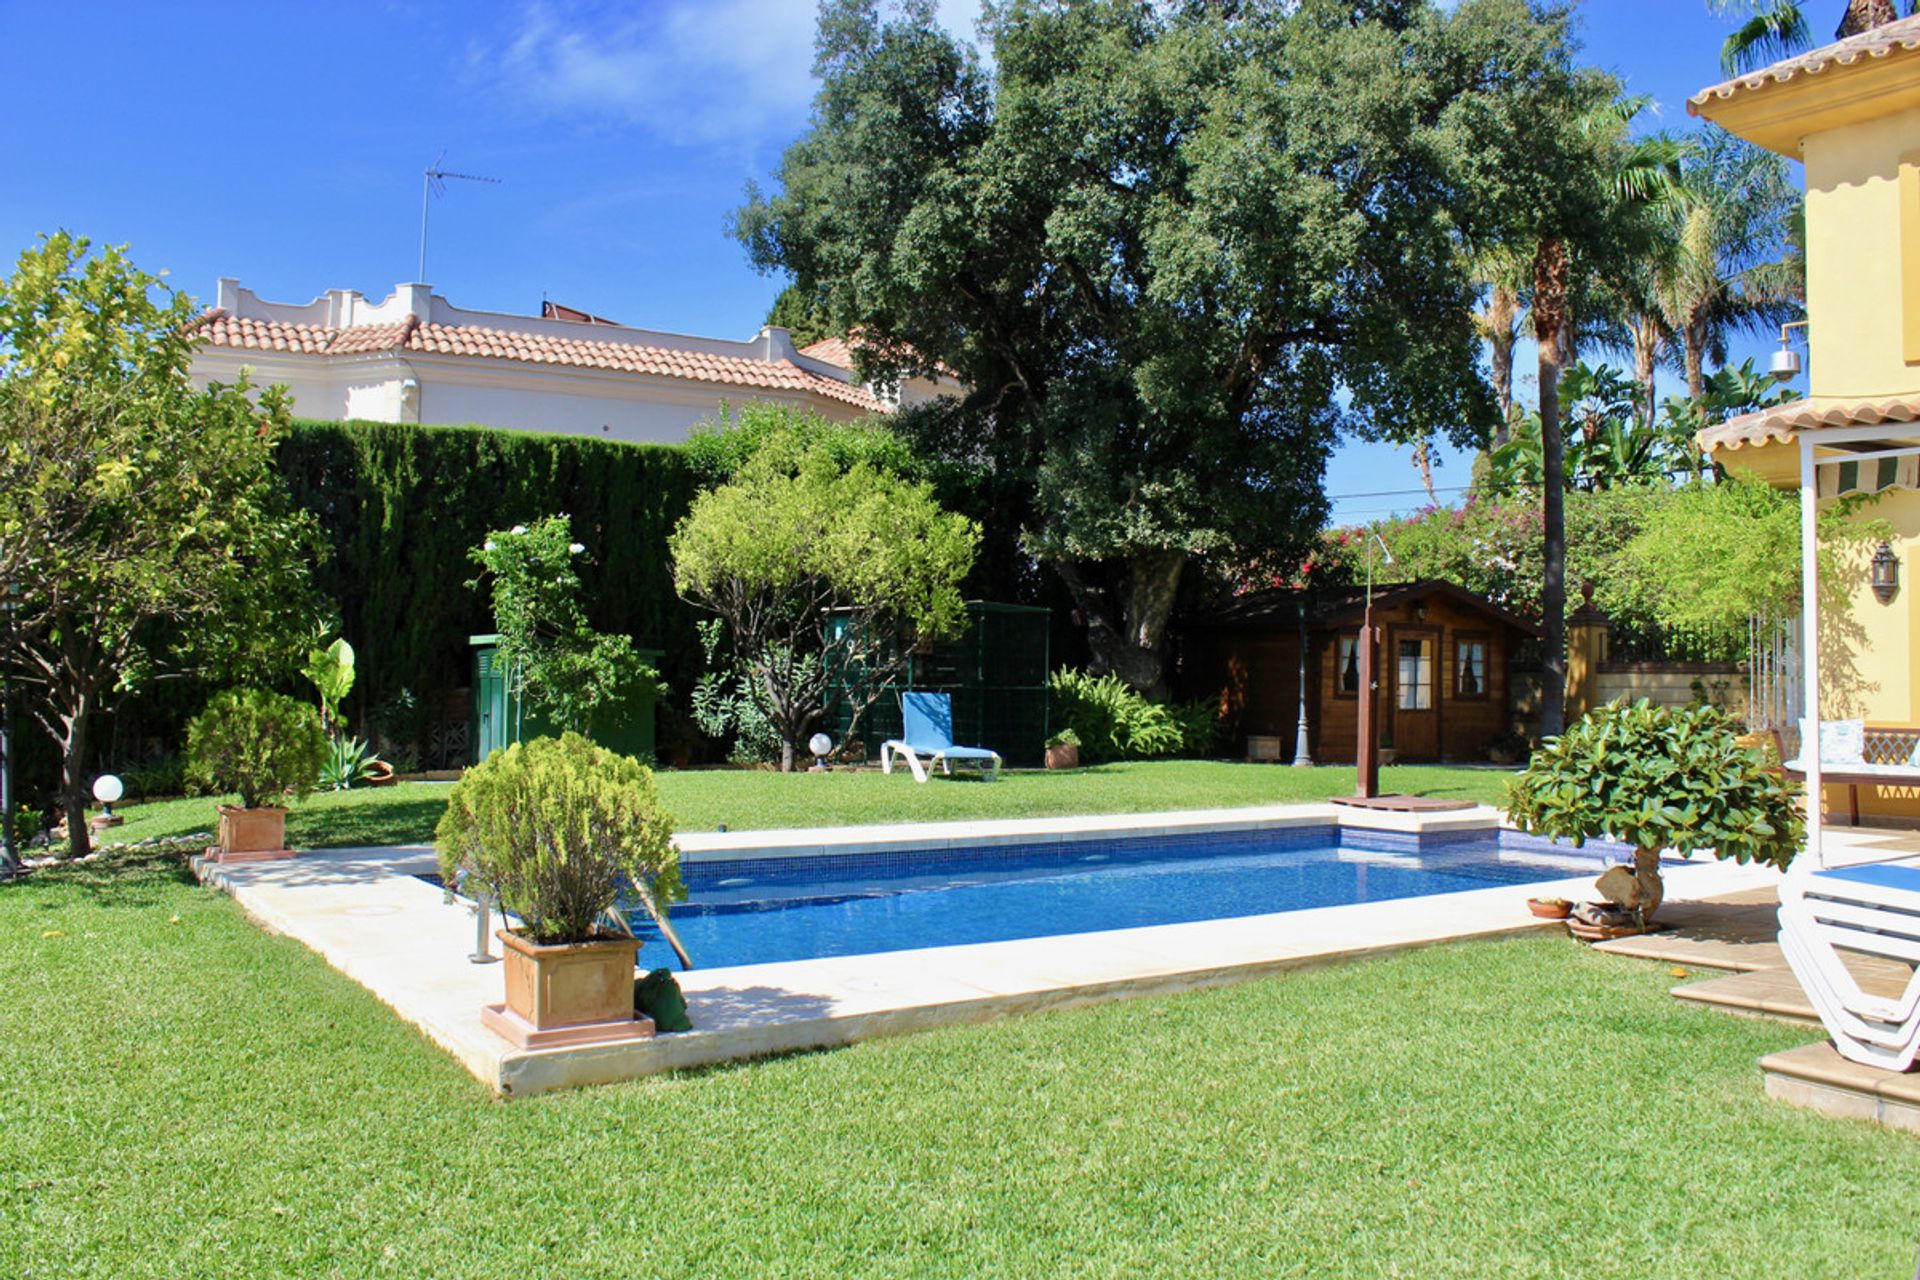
(770, 909)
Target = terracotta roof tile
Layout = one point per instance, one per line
(833, 351)
(1895, 38)
(839, 353)
(224, 330)
(1783, 422)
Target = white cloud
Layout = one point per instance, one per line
(691, 71)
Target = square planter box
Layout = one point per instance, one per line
(578, 993)
(251, 835)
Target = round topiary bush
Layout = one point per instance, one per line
(260, 744)
(555, 829)
(1658, 778)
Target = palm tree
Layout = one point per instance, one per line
(1724, 258)
(1505, 276)
(1777, 29)
(1736, 268)
(1641, 174)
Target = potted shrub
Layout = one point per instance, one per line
(264, 747)
(554, 829)
(1656, 778)
(1063, 750)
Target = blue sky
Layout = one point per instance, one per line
(271, 143)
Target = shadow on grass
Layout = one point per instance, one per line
(409, 821)
(118, 877)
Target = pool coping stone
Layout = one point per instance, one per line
(366, 912)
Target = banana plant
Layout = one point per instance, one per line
(331, 670)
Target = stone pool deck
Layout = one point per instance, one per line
(367, 914)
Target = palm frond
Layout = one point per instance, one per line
(1776, 31)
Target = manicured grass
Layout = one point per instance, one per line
(703, 799)
(183, 1094)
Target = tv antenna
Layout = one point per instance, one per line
(434, 183)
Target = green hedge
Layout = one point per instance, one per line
(403, 505)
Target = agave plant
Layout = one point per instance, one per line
(349, 761)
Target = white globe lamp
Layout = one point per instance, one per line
(107, 789)
(819, 744)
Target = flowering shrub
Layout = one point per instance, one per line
(555, 661)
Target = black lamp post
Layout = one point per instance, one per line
(9, 850)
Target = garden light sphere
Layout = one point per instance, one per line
(819, 744)
(108, 789)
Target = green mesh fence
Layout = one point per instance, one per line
(996, 673)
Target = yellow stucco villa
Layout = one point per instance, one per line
(1851, 113)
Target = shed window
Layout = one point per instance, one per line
(1470, 666)
(1416, 675)
(1346, 676)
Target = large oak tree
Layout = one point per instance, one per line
(1173, 251)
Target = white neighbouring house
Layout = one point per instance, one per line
(418, 358)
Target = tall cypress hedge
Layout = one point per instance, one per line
(403, 506)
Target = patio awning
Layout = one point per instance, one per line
(1783, 422)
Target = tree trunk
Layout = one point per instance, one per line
(1549, 314)
(1128, 636)
(786, 755)
(1694, 342)
(73, 776)
(1423, 459)
(1646, 873)
(1503, 309)
(1865, 15)
(1646, 358)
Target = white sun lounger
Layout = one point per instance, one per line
(1873, 910)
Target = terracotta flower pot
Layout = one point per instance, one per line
(1064, 756)
(252, 833)
(380, 774)
(570, 993)
(1549, 910)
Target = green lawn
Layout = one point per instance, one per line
(702, 799)
(182, 1094)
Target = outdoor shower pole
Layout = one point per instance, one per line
(1302, 753)
(1368, 782)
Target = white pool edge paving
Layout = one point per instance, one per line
(365, 912)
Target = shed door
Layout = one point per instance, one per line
(1413, 676)
(489, 705)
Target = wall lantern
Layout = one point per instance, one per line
(1886, 574)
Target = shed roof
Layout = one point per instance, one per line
(1345, 606)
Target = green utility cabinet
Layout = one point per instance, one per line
(996, 673)
(499, 719)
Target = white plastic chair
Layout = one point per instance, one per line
(1873, 910)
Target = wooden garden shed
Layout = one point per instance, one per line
(1445, 658)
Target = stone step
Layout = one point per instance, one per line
(1817, 1077)
(1762, 993)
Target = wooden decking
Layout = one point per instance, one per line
(1405, 804)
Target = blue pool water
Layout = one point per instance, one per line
(802, 908)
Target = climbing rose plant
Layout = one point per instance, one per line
(554, 658)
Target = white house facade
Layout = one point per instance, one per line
(417, 358)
